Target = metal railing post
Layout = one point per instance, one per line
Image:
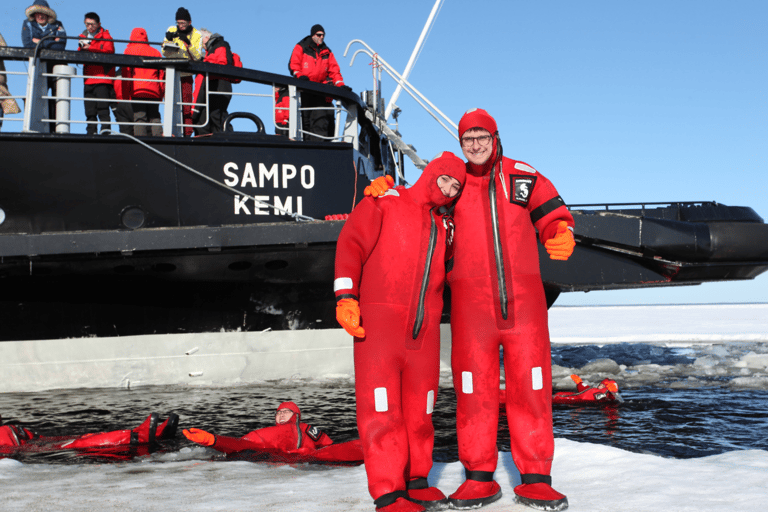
(171, 108)
(35, 108)
(63, 90)
(294, 117)
(351, 127)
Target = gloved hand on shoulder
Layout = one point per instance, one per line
(560, 247)
(379, 186)
(348, 315)
(199, 436)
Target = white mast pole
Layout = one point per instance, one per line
(412, 61)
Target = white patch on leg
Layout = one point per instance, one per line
(466, 383)
(430, 401)
(537, 379)
(380, 397)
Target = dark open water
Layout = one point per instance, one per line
(667, 422)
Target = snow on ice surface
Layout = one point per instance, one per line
(595, 478)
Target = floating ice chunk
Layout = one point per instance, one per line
(602, 366)
(750, 382)
(705, 362)
(719, 351)
(754, 361)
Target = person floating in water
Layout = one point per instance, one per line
(607, 391)
(14, 438)
(289, 439)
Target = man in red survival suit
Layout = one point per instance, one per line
(391, 256)
(141, 439)
(497, 298)
(289, 440)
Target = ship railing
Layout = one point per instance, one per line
(348, 109)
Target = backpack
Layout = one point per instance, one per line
(237, 63)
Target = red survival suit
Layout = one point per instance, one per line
(525, 201)
(16, 438)
(392, 254)
(293, 441)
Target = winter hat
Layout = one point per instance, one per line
(477, 118)
(316, 28)
(40, 6)
(183, 14)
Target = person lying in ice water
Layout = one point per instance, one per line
(17, 437)
(289, 439)
(607, 391)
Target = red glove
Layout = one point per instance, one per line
(348, 315)
(199, 436)
(379, 186)
(560, 247)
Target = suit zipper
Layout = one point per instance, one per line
(425, 278)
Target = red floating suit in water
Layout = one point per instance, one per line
(607, 392)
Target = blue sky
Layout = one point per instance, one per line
(613, 101)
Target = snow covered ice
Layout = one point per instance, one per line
(726, 344)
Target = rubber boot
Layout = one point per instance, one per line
(147, 431)
(474, 493)
(540, 496)
(431, 498)
(396, 502)
(167, 429)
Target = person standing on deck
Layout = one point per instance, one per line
(98, 79)
(312, 60)
(183, 41)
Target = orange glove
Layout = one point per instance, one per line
(379, 186)
(560, 247)
(199, 436)
(348, 315)
(575, 378)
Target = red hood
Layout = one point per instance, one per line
(293, 408)
(426, 191)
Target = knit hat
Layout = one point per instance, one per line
(477, 118)
(183, 14)
(40, 6)
(316, 28)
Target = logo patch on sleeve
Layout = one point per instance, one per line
(314, 433)
(522, 189)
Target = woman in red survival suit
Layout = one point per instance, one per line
(289, 440)
(14, 438)
(392, 255)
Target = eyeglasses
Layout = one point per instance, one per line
(320, 34)
(468, 142)
(91, 24)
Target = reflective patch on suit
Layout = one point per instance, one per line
(430, 401)
(342, 283)
(391, 192)
(380, 399)
(523, 167)
(537, 379)
(466, 383)
(314, 433)
(522, 189)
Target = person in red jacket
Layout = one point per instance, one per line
(217, 51)
(497, 299)
(391, 259)
(288, 435)
(98, 81)
(145, 84)
(312, 60)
